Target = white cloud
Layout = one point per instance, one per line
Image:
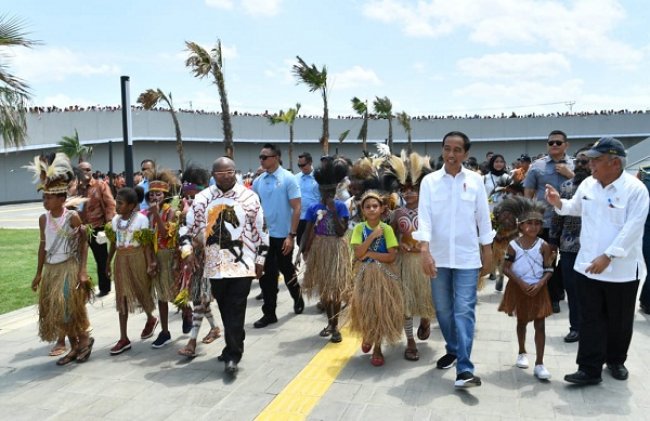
(56, 64)
(520, 66)
(220, 4)
(582, 27)
(354, 77)
(282, 71)
(252, 7)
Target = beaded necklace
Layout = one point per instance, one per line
(122, 230)
(53, 222)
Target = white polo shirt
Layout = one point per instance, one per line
(453, 216)
(613, 219)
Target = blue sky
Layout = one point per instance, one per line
(428, 57)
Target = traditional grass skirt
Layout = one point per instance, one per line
(416, 286)
(376, 306)
(164, 283)
(61, 305)
(328, 271)
(516, 303)
(132, 282)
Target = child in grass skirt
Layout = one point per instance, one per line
(376, 307)
(328, 253)
(61, 278)
(416, 285)
(131, 244)
(528, 266)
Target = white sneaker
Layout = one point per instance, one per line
(522, 361)
(541, 372)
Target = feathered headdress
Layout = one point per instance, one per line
(409, 169)
(162, 179)
(52, 173)
(514, 210)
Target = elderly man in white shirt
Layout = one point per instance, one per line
(456, 236)
(613, 206)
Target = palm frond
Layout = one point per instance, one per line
(361, 107)
(383, 107)
(344, 135)
(404, 120)
(199, 60)
(310, 75)
(150, 98)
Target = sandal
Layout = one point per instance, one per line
(327, 331)
(187, 352)
(411, 354)
(67, 359)
(424, 332)
(212, 335)
(84, 354)
(377, 360)
(57, 350)
(365, 348)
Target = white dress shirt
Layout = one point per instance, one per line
(454, 218)
(613, 219)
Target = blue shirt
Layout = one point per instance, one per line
(275, 191)
(145, 185)
(541, 173)
(309, 193)
(323, 220)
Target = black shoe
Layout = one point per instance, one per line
(299, 305)
(103, 293)
(619, 372)
(336, 337)
(187, 323)
(556, 306)
(582, 378)
(231, 368)
(573, 336)
(446, 361)
(265, 321)
(499, 284)
(259, 296)
(644, 308)
(467, 379)
(221, 358)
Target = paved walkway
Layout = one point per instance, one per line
(283, 372)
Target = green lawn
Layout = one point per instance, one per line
(18, 256)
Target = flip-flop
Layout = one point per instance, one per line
(212, 336)
(411, 354)
(57, 350)
(84, 354)
(187, 352)
(67, 359)
(424, 332)
(377, 360)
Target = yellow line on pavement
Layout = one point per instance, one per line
(20, 209)
(296, 401)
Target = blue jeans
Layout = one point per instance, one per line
(454, 295)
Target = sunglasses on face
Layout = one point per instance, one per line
(263, 157)
(302, 165)
(555, 142)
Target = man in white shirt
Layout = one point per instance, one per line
(456, 244)
(613, 206)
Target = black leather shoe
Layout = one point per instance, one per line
(644, 308)
(103, 293)
(265, 321)
(299, 305)
(619, 372)
(573, 336)
(231, 368)
(259, 296)
(582, 378)
(556, 306)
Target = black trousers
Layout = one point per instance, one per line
(100, 253)
(302, 224)
(569, 279)
(275, 263)
(607, 312)
(555, 285)
(231, 295)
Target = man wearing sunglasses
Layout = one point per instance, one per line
(280, 196)
(554, 169)
(308, 190)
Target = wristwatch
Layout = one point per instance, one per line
(292, 234)
(609, 256)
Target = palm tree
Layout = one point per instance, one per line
(71, 146)
(316, 80)
(150, 99)
(14, 92)
(203, 64)
(361, 107)
(384, 109)
(405, 121)
(287, 118)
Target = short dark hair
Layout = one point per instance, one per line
(559, 132)
(147, 160)
(306, 156)
(272, 147)
(466, 143)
